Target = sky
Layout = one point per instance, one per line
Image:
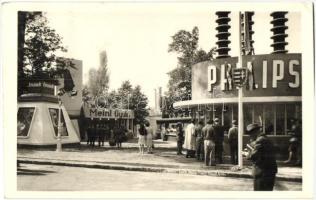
(136, 38)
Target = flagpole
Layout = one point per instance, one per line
(240, 103)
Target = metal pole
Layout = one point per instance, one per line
(127, 101)
(59, 146)
(240, 104)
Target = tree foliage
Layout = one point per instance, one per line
(127, 97)
(38, 44)
(185, 45)
(98, 79)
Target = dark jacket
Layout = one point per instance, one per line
(233, 135)
(263, 157)
(180, 136)
(218, 133)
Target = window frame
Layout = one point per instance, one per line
(52, 126)
(31, 124)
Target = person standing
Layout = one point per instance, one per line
(149, 138)
(180, 138)
(262, 155)
(209, 144)
(233, 142)
(141, 138)
(163, 133)
(218, 139)
(295, 144)
(92, 134)
(117, 135)
(189, 140)
(199, 141)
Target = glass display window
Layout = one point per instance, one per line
(280, 119)
(25, 116)
(54, 117)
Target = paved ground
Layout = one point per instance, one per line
(164, 156)
(59, 178)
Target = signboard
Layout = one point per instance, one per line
(104, 113)
(267, 75)
(40, 87)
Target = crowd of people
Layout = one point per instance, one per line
(101, 132)
(205, 142)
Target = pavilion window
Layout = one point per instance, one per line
(280, 118)
(25, 116)
(54, 117)
(248, 110)
(269, 119)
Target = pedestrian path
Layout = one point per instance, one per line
(164, 159)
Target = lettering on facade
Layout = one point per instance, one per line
(108, 113)
(276, 72)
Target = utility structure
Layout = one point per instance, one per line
(246, 48)
(223, 34)
(246, 33)
(278, 31)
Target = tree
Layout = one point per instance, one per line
(98, 79)
(139, 103)
(37, 47)
(185, 45)
(125, 92)
(127, 97)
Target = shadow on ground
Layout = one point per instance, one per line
(33, 172)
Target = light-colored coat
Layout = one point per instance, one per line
(189, 140)
(149, 137)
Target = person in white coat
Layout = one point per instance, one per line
(189, 140)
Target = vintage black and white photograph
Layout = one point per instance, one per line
(160, 97)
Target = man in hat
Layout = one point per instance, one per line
(218, 139)
(262, 155)
(233, 142)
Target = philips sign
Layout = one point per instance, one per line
(267, 75)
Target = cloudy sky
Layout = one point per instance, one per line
(136, 38)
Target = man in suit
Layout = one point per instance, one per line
(262, 154)
(218, 139)
(233, 142)
(199, 141)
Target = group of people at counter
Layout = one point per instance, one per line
(205, 143)
(100, 132)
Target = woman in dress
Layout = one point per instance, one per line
(149, 138)
(142, 138)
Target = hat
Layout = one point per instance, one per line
(216, 120)
(293, 139)
(234, 122)
(252, 127)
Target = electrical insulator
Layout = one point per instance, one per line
(278, 30)
(223, 34)
(246, 33)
